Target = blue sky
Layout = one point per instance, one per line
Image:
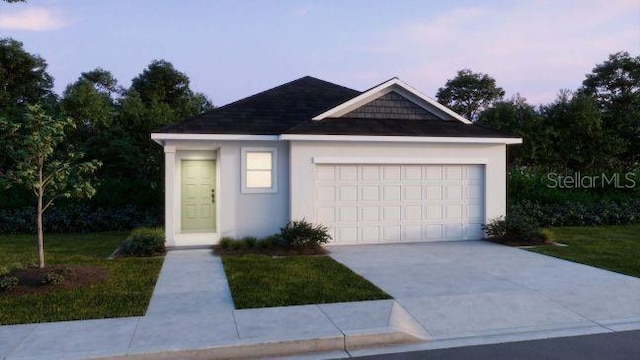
(233, 49)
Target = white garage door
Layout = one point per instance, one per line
(400, 203)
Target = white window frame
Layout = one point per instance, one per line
(274, 170)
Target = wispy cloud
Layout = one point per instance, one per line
(528, 47)
(303, 10)
(32, 19)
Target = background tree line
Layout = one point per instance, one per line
(594, 128)
(111, 123)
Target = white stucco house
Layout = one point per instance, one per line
(385, 165)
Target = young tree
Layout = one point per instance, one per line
(469, 93)
(43, 164)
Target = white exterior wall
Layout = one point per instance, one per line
(237, 214)
(305, 154)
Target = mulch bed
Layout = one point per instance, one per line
(271, 251)
(75, 276)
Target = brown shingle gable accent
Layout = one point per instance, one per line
(391, 106)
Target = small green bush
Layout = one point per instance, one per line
(514, 228)
(225, 242)
(4, 270)
(302, 234)
(237, 245)
(8, 282)
(53, 278)
(145, 242)
(250, 241)
(270, 242)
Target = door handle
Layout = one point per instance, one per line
(213, 196)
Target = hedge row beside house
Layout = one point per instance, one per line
(574, 213)
(80, 218)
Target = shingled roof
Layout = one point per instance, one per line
(270, 112)
(289, 108)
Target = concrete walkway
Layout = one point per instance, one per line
(191, 309)
(469, 293)
(446, 295)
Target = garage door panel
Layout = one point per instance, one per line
(325, 194)
(348, 234)
(370, 173)
(392, 233)
(453, 231)
(434, 192)
(474, 192)
(433, 172)
(325, 173)
(348, 214)
(434, 213)
(453, 212)
(453, 173)
(370, 213)
(412, 192)
(391, 213)
(413, 212)
(370, 193)
(433, 232)
(400, 203)
(413, 233)
(391, 173)
(391, 192)
(371, 234)
(348, 193)
(348, 173)
(413, 173)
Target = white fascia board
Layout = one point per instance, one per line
(169, 136)
(380, 90)
(415, 139)
(402, 161)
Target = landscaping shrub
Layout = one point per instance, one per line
(271, 241)
(515, 229)
(302, 234)
(145, 242)
(53, 278)
(80, 218)
(573, 213)
(226, 242)
(250, 241)
(8, 282)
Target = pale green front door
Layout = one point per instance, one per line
(198, 206)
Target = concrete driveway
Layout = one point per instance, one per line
(478, 289)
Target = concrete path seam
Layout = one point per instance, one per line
(344, 336)
(235, 323)
(21, 341)
(135, 330)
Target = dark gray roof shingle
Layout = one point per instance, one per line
(393, 127)
(289, 108)
(270, 112)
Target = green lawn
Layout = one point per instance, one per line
(126, 292)
(615, 248)
(263, 281)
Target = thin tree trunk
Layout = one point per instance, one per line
(39, 215)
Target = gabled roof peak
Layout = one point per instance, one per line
(400, 87)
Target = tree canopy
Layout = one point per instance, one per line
(23, 77)
(470, 93)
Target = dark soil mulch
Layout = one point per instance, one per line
(271, 251)
(75, 276)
